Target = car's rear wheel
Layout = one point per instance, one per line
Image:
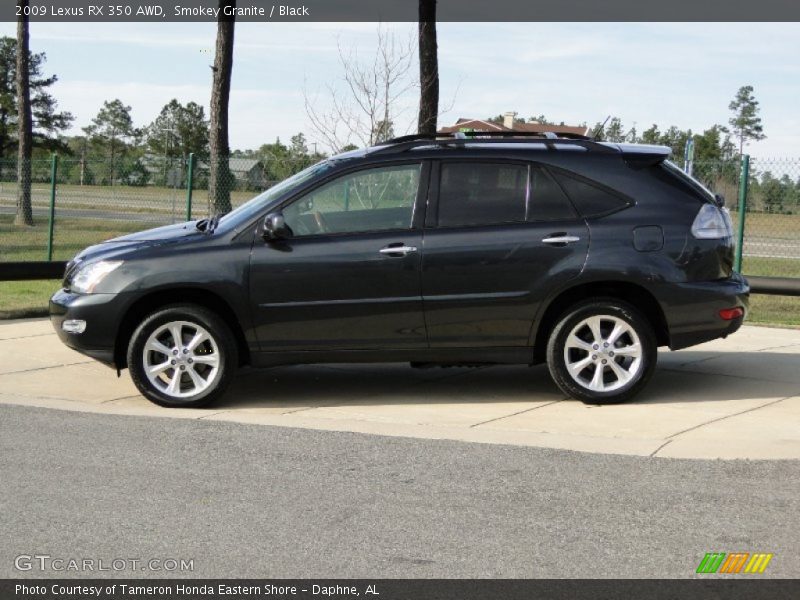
(602, 352)
(182, 356)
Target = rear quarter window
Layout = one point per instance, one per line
(591, 199)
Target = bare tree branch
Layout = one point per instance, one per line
(365, 105)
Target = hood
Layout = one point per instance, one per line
(159, 234)
(118, 246)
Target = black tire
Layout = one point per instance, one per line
(222, 346)
(639, 373)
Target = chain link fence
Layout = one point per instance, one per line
(94, 201)
(771, 241)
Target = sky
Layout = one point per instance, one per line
(681, 74)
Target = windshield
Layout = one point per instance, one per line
(252, 208)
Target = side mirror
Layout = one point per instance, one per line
(275, 227)
(720, 200)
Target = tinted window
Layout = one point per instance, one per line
(548, 201)
(370, 200)
(481, 193)
(590, 200)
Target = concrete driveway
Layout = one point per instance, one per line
(735, 398)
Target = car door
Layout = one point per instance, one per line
(499, 237)
(348, 275)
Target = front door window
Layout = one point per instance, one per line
(373, 200)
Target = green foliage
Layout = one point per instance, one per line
(48, 122)
(113, 136)
(280, 161)
(745, 122)
(774, 195)
(178, 131)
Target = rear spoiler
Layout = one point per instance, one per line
(640, 156)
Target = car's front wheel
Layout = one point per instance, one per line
(602, 352)
(182, 356)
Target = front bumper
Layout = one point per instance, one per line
(692, 310)
(103, 314)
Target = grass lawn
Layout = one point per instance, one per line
(771, 267)
(19, 299)
(780, 311)
(71, 236)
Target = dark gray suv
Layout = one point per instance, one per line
(460, 249)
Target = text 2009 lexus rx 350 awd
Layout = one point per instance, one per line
(447, 250)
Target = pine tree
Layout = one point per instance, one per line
(111, 133)
(48, 122)
(745, 123)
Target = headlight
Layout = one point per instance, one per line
(88, 276)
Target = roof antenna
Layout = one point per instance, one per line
(600, 128)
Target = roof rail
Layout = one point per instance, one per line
(460, 138)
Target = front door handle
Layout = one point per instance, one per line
(561, 239)
(400, 250)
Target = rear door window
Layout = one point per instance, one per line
(472, 193)
(547, 202)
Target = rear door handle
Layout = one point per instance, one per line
(561, 239)
(397, 250)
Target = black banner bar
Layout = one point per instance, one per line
(752, 588)
(31, 270)
(406, 10)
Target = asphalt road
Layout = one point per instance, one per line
(276, 502)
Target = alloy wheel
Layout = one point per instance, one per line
(181, 359)
(603, 353)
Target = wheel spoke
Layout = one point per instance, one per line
(594, 325)
(206, 359)
(618, 330)
(575, 342)
(577, 367)
(158, 369)
(623, 376)
(157, 346)
(174, 386)
(634, 350)
(597, 380)
(198, 339)
(175, 330)
(197, 380)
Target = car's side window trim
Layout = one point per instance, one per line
(418, 209)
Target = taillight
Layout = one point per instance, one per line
(729, 314)
(712, 223)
